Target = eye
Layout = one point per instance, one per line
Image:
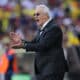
(36, 14)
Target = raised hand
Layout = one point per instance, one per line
(14, 37)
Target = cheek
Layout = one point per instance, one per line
(40, 23)
(41, 20)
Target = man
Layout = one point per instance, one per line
(49, 60)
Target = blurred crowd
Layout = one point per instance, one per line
(17, 16)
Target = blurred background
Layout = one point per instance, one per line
(17, 16)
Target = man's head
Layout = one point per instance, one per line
(42, 14)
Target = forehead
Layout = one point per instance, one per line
(39, 9)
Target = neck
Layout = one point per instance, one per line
(45, 23)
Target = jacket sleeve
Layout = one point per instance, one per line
(45, 42)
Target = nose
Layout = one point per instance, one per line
(35, 16)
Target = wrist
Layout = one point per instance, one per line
(23, 45)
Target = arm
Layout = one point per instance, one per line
(46, 42)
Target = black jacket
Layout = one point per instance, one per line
(49, 57)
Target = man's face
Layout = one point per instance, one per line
(40, 17)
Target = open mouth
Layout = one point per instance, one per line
(37, 20)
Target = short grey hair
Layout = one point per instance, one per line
(45, 9)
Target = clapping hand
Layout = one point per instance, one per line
(15, 40)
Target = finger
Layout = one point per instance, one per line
(13, 36)
(12, 33)
(19, 35)
(13, 39)
(11, 44)
(14, 45)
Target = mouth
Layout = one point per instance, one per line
(37, 20)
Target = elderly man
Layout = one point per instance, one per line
(50, 63)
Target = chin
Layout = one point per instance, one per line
(38, 24)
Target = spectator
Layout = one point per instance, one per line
(9, 65)
(27, 4)
(3, 3)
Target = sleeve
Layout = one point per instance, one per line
(45, 42)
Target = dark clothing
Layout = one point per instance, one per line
(10, 70)
(50, 63)
(8, 76)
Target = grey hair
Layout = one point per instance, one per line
(45, 9)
